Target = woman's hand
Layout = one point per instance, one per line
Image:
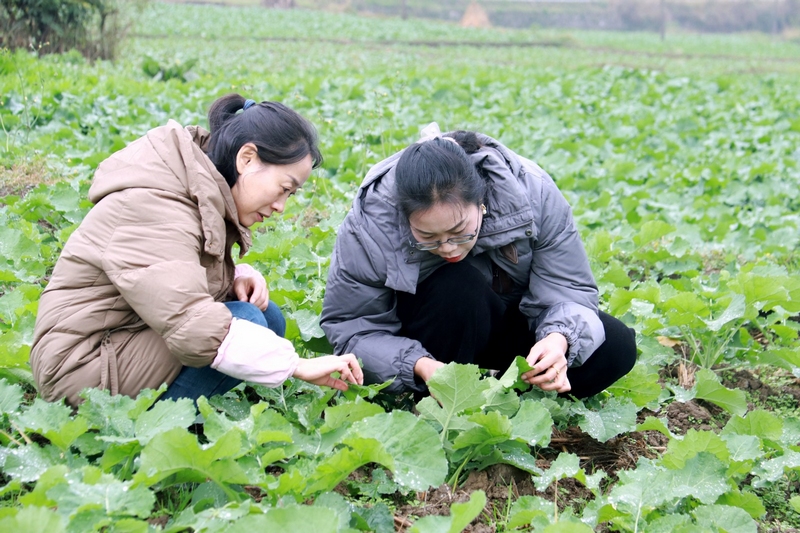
(252, 287)
(318, 371)
(549, 361)
(426, 366)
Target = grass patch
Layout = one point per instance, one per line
(22, 175)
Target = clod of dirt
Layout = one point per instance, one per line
(684, 416)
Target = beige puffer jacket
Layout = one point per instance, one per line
(137, 292)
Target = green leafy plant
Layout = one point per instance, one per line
(176, 69)
(682, 175)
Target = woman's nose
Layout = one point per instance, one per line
(447, 247)
(279, 205)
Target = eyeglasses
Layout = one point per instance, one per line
(461, 239)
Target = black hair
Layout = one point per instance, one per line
(280, 134)
(437, 171)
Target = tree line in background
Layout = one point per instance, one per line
(93, 27)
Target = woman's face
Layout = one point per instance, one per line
(263, 188)
(445, 221)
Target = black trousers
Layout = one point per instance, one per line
(457, 316)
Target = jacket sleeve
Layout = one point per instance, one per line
(562, 295)
(359, 316)
(153, 259)
(254, 353)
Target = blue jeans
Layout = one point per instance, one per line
(205, 381)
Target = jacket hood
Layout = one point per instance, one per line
(171, 159)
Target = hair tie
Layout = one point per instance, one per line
(248, 104)
(431, 132)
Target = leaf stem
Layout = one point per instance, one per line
(454, 479)
(22, 433)
(9, 437)
(555, 500)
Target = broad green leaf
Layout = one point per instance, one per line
(107, 413)
(29, 462)
(12, 486)
(532, 424)
(652, 231)
(129, 525)
(791, 431)
(567, 527)
(511, 377)
(461, 514)
(748, 501)
(33, 520)
(652, 423)
(54, 421)
(499, 398)
(709, 388)
(10, 397)
(703, 477)
(772, 469)
(694, 442)
(347, 413)
(669, 523)
(297, 519)
(177, 451)
(491, 428)
(336, 502)
(743, 447)
(145, 400)
(795, 503)
(565, 465)
(527, 508)
(640, 490)
(512, 453)
(212, 519)
(429, 409)
(414, 445)
(685, 309)
(458, 388)
(115, 498)
(53, 476)
(308, 324)
(682, 395)
(734, 311)
(163, 416)
(14, 349)
(729, 519)
(615, 417)
(377, 518)
(336, 467)
(758, 423)
(216, 425)
(364, 391)
(640, 385)
(262, 426)
(760, 291)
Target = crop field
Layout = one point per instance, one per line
(681, 160)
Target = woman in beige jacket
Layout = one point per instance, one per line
(146, 292)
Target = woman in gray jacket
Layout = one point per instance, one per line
(457, 249)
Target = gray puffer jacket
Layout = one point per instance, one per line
(528, 232)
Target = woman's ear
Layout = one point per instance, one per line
(246, 155)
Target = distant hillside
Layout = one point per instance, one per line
(699, 15)
(695, 15)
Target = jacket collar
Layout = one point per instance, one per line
(200, 137)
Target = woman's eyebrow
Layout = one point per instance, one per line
(451, 230)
